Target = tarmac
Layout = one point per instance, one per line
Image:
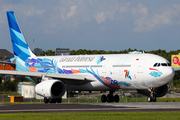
(91, 107)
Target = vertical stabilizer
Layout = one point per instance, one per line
(20, 47)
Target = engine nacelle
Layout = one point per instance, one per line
(50, 89)
(160, 91)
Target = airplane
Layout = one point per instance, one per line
(149, 74)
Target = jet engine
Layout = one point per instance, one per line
(50, 89)
(159, 92)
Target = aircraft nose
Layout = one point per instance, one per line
(168, 74)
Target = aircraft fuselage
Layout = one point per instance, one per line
(126, 71)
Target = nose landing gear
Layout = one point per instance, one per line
(152, 97)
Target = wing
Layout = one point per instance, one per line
(73, 79)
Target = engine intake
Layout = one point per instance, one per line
(50, 89)
(161, 91)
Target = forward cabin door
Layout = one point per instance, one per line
(104, 67)
(141, 65)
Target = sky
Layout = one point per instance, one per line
(94, 24)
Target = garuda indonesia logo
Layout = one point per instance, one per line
(127, 74)
(155, 72)
(99, 60)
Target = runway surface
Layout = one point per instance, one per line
(90, 107)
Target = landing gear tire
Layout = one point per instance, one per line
(109, 98)
(152, 98)
(103, 98)
(46, 100)
(149, 99)
(51, 100)
(116, 98)
(59, 100)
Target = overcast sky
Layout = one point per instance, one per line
(94, 24)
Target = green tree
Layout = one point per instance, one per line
(8, 85)
(49, 53)
(5, 86)
(72, 52)
(13, 85)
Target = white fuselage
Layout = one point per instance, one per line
(117, 71)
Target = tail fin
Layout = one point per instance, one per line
(20, 47)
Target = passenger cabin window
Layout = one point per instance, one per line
(161, 64)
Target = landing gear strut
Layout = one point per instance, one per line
(152, 97)
(110, 98)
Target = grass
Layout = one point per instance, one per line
(168, 99)
(93, 115)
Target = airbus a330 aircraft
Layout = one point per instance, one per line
(147, 73)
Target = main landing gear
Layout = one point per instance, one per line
(52, 100)
(152, 97)
(110, 98)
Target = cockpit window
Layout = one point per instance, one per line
(155, 64)
(168, 64)
(161, 64)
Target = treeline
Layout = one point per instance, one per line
(159, 52)
(163, 53)
(8, 85)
